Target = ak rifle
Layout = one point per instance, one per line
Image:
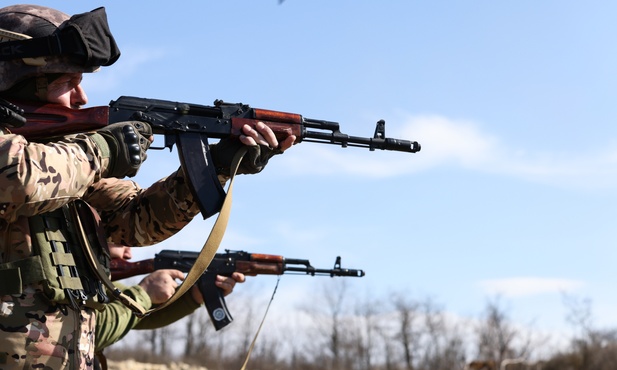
(250, 264)
(189, 126)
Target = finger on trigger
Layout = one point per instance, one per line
(177, 274)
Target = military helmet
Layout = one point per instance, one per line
(77, 43)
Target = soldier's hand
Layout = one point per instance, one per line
(225, 283)
(262, 145)
(161, 284)
(127, 143)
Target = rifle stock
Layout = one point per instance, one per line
(44, 121)
(122, 269)
(224, 264)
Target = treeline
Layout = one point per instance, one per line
(334, 331)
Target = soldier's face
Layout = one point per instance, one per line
(120, 251)
(67, 91)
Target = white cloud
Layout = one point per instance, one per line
(448, 142)
(528, 286)
(445, 140)
(464, 143)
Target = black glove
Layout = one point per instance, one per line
(253, 162)
(128, 142)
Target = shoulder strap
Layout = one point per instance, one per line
(212, 243)
(199, 267)
(87, 235)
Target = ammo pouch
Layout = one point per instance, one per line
(59, 261)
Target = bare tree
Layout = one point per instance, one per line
(591, 348)
(200, 338)
(330, 330)
(408, 336)
(367, 330)
(443, 345)
(497, 337)
(389, 350)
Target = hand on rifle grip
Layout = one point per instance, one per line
(262, 145)
(227, 283)
(161, 284)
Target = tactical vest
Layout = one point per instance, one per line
(59, 262)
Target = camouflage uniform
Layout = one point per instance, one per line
(38, 330)
(37, 178)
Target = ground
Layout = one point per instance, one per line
(134, 365)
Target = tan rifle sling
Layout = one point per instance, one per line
(199, 267)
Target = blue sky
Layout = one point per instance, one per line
(513, 193)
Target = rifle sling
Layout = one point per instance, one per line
(201, 262)
(212, 243)
(86, 239)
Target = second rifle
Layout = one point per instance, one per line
(225, 264)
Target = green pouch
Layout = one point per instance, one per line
(64, 268)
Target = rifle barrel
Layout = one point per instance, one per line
(332, 272)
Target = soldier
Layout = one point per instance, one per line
(155, 288)
(49, 297)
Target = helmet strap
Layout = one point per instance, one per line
(41, 87)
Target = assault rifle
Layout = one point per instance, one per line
(190, 125)
(225, 264)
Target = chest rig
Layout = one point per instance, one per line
(60, 258)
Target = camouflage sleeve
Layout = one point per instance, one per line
(116, 320)
(183, 306)
(37, 178)
(142, 217)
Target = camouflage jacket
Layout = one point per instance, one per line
(36, 178)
